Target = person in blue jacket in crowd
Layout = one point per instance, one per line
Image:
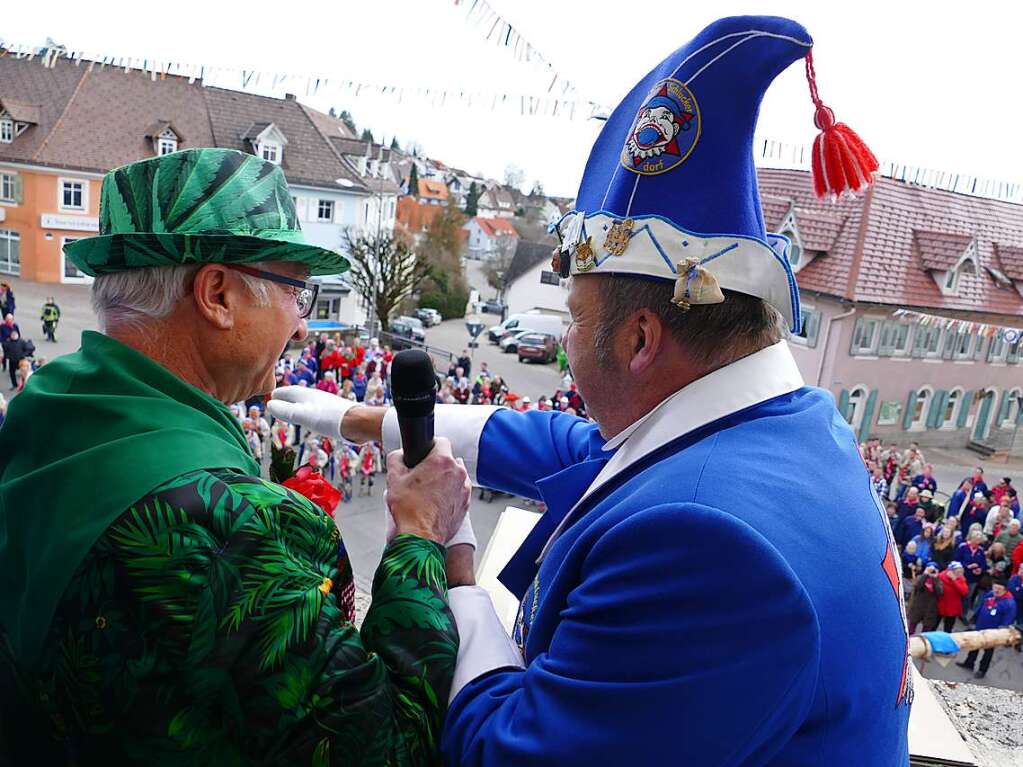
(958, 498)
(635, 643)
(997, 609)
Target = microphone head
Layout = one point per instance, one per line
(413, 383)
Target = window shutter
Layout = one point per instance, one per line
(964, 408)
(1003, 410)
(868, 416)
(19, 189)
(937, 409)
(843, 404)
(907, 417)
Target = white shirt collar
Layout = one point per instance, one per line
(761, 376)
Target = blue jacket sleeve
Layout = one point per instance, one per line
(662, 656)
(518, 449)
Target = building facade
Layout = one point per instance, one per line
(63, 128)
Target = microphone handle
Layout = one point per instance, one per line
(416, 438)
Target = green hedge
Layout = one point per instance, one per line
(450, 305)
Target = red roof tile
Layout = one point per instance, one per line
(901, 227)
(496, 227)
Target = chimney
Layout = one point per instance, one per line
(289, 96)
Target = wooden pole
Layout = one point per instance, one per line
(919, 647)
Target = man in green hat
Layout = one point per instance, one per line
(160, 603)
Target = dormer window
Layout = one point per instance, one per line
(6, 130)
(16, 118)
(166, 143)
(165, 138)
(270, 151)
(788, 229)
(967, 264)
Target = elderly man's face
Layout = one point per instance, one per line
(262, 332)
(600, 388)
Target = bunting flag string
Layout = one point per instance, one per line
(780, 154)
(556, 102)
(984, 329)
(481, 14)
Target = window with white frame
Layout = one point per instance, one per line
(325, 210)
(795, 247)
(72, 195)
(71, 273)
(967, 264)
(865, 333)
(1012, 354)
(8, 187)
(894, 339)
(950, 345)
(926, 341)
(167, 143)
(996, 349)
(6, 130)
(10, 252)
(964, 345)
(270, 151)
(809, 326)
(921, 404)
(948, 418)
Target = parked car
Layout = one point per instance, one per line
(430, 317)
(510, 343)
(538, 346)
(541, 323)
(418, 331)
(493, 306)
(401, 335)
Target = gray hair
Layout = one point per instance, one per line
(137, 296)
(712, 334)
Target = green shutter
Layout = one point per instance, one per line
(843, 404)
(868, 416)
(964, 408)
(907, 417)
(19, 189)
(1003, 410)
(937, 408)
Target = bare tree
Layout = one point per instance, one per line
(514, 176)
(385, 271)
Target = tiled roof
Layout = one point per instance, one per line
(1011, 259)
(309, 158)
(414, 216)
(432, 189)
(327, 125)
(940, 250)
(20, 111)
(95, 118)
(496, 227)
(875, 254)
(157, 128)
(527, 255)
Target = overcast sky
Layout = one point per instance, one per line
(927, 84)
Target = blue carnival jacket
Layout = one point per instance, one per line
(642, 644)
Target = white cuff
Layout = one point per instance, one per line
(483, 644)
(461, 424)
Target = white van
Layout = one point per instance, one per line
(539, 323)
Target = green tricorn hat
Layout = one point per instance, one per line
(197, 206)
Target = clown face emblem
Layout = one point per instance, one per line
(665, 130)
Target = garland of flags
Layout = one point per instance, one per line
(779, 154)
(984, 329)
(502, 33)
(564, 103)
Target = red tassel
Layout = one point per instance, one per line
(841, 162)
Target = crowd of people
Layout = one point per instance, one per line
(361, 372)
(962, 560)
(18, 351)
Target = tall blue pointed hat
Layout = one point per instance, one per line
(670, 190)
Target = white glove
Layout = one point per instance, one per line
(313, 409)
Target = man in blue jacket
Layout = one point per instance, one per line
(997, 610)
(636, 643)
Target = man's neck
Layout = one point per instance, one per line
(173, 351)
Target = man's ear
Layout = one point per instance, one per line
(215, 295)
(647, 338)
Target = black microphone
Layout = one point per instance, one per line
(414, 389)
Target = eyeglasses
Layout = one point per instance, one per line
(305, 292)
